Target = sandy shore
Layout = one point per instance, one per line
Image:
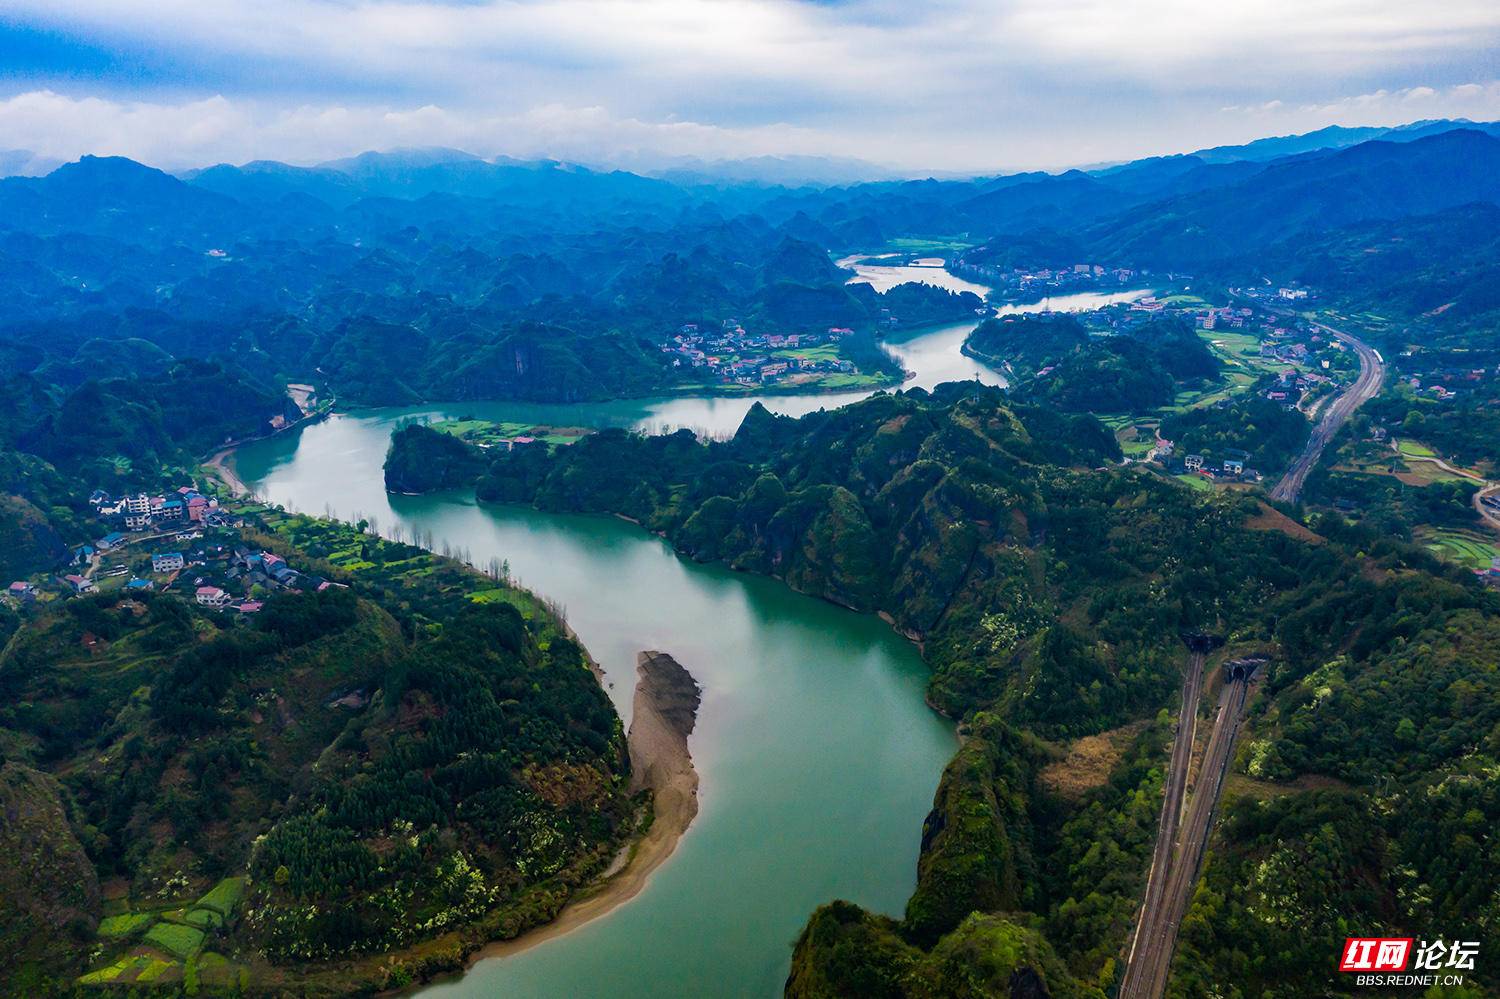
(666, 709)
(219, 463)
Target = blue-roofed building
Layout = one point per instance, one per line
(139, 585)
(167, 562)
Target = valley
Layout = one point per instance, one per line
(918, 481)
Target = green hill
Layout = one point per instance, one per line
(345, 775)
(1048, 597)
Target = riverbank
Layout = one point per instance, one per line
(666, 711)
(218, 462)
(789, 775)
(218, 465)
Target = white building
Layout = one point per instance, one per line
(167, 562)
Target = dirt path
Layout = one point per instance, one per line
(1488, 514)
(666, 710)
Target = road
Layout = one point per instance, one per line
(1171, 811)
(1156, 933)
(1488, 513)
(1335, 414)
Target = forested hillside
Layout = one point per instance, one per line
(1048, 599)
(348, 773)
(1055, 362)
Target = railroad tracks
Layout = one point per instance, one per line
(1335, 414)
(1182, 838)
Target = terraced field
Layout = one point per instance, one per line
(173, 946)
(1467, 548)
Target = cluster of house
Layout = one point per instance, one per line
(1446, 382)
(1030, 281)
(1280, 295)
(231, 576)
(1289, 385)
(736, 356)
(1492, 574)
(1231, 466)
(142, 511)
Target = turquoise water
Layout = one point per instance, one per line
(817, 754)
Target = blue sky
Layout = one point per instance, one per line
(941, 85)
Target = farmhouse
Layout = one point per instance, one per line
(167, 562)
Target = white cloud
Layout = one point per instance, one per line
(1476, 101)
(944, 83)
(219, 129)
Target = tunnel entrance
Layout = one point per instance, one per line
(1244, 667)
(1201, 641)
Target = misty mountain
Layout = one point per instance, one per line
(1335, 137)
(1373, 180)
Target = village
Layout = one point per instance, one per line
(184, 542)
(1023, 284)
(735, 357)
(1282, 359)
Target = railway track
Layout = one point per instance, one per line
(1335, 414)
(1174, 872)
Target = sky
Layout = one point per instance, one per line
(916, 86)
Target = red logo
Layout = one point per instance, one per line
(1375, 953)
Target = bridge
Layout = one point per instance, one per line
(1182, 834)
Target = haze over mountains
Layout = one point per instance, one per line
(502, 266)
(780, 170)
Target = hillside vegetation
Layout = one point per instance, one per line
(1048, 599)
(345, 775)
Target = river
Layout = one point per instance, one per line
(817, 754)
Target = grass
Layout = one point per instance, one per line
(176, 939)
(493, 432)
(1135, 441)
(816, 352)
(123, 970)
(155, 970)
(1466, 548)
(216, 970)
(205, 919)
(1187, 299)
(1195, 481)
(916, 244)
(848, 379)
(1415, 449)
(126, 925)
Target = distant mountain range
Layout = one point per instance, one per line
(1337, 137)
(428, 273)
(25, 163)
(414, 172)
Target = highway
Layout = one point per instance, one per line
(1156, 933)
(1371, 376)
